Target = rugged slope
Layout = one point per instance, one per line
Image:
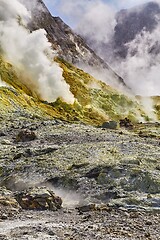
(95, 102)
(68, 44)
(112, 176)
(119, 167)
(105, 172)
(114, 171)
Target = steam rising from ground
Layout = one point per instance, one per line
(95, 21)
(19, 183)
(31, 52)
(142, 70)
(3, 84)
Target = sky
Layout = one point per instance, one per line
(68, 9)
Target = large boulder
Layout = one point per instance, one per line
(110, 125)
(25, 136)
(126, 123)
(39, 198)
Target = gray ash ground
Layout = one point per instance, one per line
(83, 164)
(69, 224)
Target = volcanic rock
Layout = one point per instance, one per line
(39, 198)
(8, 204)
(110, 125)
(25, 136)
(126, 123)
(67, 43)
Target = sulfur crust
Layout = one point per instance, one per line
(95, 102)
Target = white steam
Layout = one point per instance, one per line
(32, 5)
(3, 84)
(31, 53)
(95, 21)
(12, 10)
(98, 22)
(142, 70)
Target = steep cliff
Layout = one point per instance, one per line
(70, 46)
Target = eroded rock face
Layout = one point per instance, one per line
(69, 45)
(39, 198)
(129, 23)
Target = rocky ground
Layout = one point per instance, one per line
(108, 179)
(69, 224)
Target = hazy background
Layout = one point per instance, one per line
(71, 11)
(31, 53)
(95, 20)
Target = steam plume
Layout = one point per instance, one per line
(95, 21)
(3, 84)
(142, 70)
(31, 52)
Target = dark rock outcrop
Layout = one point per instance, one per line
(39, 198)
(126, 123)
(131, 22)
(110, 125)
(25, 136)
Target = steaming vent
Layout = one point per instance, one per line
(30, 53)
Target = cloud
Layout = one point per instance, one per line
(31, 53)
(73, 11)
(129, 3)
(98, 21)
